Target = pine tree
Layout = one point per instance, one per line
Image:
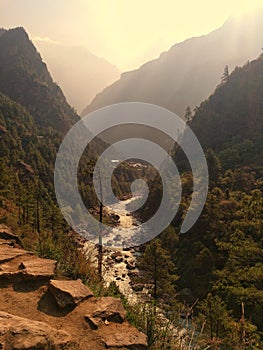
(225, 75)
(216, 316)
(158, 270)
(214, 167)
(188, 115)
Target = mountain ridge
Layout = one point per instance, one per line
(189, 71)
(24, 78)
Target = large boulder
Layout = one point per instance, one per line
(69, 293)
(21, 334)
(99, 310)
(124, 336)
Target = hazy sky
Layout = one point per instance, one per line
(125, 32)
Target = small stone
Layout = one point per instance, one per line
(119, 259)
(21, 266)
(130, 266)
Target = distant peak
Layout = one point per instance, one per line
(18, 31)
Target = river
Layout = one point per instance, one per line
(118, 263)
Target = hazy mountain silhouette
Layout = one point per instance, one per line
(80, 73)
(189, 71)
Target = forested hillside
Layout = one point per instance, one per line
(219, 262)
(25, 79)
(34, 115)
(230, 121)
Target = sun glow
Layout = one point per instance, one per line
(246, 6)
(127, 33)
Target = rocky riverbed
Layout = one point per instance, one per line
(119, 264)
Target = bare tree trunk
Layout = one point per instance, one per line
(100, 251)
(211, 320)
(242, 325)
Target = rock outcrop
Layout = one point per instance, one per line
(17, 264)
(69, 293)
(35, 310)
(99, 310)
(124, 336)
(21, 333)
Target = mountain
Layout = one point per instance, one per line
(231, 120)
(80, 73)
(25, 79)
(34, 116)
(189, 71)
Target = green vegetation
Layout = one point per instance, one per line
(158, 271)
(220, 260)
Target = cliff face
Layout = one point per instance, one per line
(39, 312)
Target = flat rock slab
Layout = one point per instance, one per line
(99, 310)
(123, 336)
(21, 334)
(8, 252)
(37, 267)
(20, 265)
(69, 293)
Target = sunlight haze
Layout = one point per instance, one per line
(125, 33)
